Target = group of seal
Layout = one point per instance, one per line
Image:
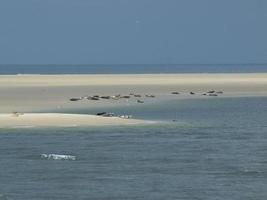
(113, 97)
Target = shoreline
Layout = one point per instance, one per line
(24, 120)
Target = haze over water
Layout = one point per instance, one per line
(132, 69)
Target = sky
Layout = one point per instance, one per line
(133, 31)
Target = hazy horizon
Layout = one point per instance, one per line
(141, 31)
(131, 68)
(89, 64)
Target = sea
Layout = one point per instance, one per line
(132, 68)
(199, 149)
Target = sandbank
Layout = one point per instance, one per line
(62, 120)
(51, 93)
(131, 79)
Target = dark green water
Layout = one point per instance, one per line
(216, 150)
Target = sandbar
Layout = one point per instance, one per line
(52, 93)
(62, 120)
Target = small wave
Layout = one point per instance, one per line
(3, 197)
(58, 157)
(247, 171)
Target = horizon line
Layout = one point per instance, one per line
(138, 64)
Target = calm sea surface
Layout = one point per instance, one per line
(215, 150)
(129, 69)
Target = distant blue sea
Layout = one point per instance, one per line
(130, 69)
(215, 150)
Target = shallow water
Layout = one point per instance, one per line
(215, 150)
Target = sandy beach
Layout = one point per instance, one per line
(52, 93)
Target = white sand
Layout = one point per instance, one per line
(62, 120)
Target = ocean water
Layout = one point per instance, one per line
(216, 149)
(130, 69)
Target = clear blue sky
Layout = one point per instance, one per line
(133, 31)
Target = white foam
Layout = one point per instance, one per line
(58, 157)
